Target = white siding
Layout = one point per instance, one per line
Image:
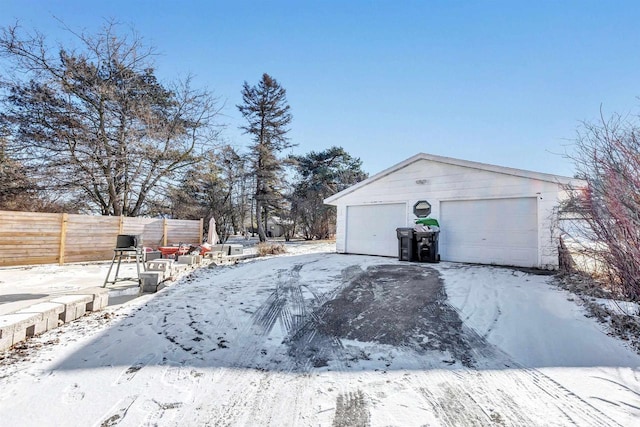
(443, 181)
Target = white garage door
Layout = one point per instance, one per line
(500, 231)
(371, 229)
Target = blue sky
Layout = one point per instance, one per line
(501, 82)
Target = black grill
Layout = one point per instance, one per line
(128, 241)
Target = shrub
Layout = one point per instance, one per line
(607, 158)
(266, 248)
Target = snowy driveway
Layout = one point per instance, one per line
(328, 339)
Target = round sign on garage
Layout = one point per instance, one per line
(422, 209)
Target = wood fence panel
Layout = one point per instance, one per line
(149, 228)
(183, 231)
(28, 238)
(90, 238)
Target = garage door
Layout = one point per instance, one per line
(371, 229)
(500, 231)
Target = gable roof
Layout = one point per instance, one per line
(556, 179)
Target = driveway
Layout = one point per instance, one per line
(328, 339)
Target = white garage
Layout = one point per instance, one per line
(488, 214)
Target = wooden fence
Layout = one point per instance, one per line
(28, 238)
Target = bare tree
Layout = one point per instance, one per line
(242, 177)
(607, 209)
(96, 122)
(16, 189)
(214, 188)
(266, 110)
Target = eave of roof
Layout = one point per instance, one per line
(557, 179)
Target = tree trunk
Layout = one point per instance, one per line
(261, 233)
(265, 225)
(253, 229)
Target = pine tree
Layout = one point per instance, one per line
(266, 111)
(320, 175)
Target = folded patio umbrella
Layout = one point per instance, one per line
(212, 236)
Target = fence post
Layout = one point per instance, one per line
(63, 237)
(165, 228)
(121, 225)
(201, 230)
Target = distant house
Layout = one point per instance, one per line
(274, 227)
(488, 214)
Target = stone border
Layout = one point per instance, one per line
(58, 310)
(45, 316)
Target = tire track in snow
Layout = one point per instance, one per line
(267, 315)
(251, 392)
(510, 397)
(579, 410)
(454, 405)
(129, 373)
(311, 349)
(119, 411)
(619, 384)
(287, 305)
(307, 345)
(471, 396)
(286, 296)
(351, 410)
(502, 392)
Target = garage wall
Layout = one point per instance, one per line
(438, 181)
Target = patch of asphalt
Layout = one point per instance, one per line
(403, 306)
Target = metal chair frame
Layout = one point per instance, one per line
(122, 252)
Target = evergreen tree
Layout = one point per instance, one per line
(266, 111)
(320, 175)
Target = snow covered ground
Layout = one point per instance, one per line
(318, 338)
(23, 286)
